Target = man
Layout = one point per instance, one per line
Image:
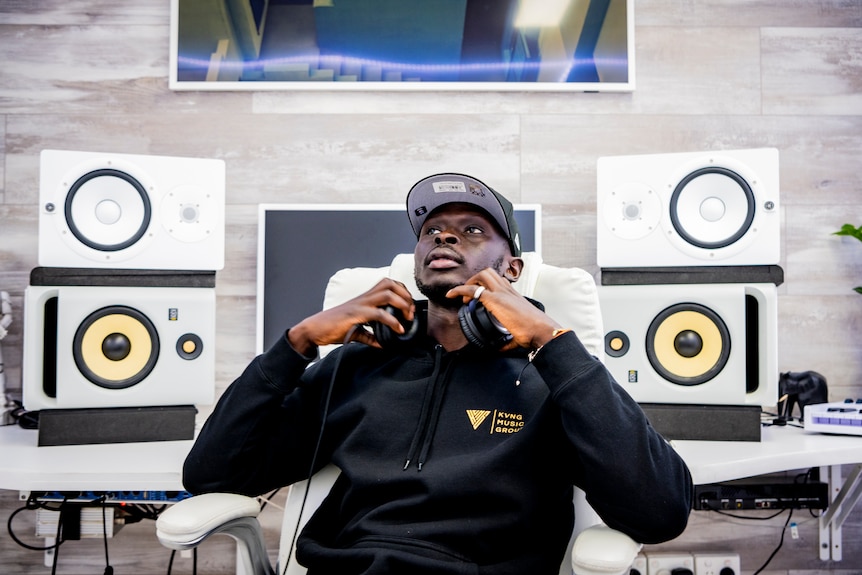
(418, 492)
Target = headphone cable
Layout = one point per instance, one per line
(347, 338)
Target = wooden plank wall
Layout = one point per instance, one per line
(711, 75)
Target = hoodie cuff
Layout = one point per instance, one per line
(562, 359)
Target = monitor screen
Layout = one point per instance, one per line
(527, 45)
(300, 246)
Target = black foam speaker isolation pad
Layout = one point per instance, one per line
(704, 422)
(116, 425)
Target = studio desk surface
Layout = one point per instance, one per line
(152, 466)
(157, 466)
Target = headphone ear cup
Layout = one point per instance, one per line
(480, 327)
(387, 337)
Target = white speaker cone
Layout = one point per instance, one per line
(712, 207)
(107, 210)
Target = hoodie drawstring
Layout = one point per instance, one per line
(428, 418)
(426, 403)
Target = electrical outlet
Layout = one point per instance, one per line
(716, 564)
(639, 565)
(670, 563)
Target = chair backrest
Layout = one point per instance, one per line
(569, 296)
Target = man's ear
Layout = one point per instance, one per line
(514, 269)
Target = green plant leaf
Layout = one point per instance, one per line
(850, 230)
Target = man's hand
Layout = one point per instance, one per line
(531, 328)
(332, 326)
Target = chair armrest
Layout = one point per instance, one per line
(600, 550)
(187, 523)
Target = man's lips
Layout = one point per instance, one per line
(443, 260)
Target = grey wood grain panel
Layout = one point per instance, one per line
(816, 71)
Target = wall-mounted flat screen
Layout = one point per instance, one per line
(301, 246)
(528, 45)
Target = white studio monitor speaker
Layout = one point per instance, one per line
(120, 211)
(689, 209)
(705, 344)
(110, 346)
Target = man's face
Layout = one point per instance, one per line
(456, 242)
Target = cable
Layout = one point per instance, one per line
(134, 513)
(780, 543)
(726, 514)
(108, 569)
(31, 505)
(194, 561)
(57, 548)
(347, 338)
(804, 478)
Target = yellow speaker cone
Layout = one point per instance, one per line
(116, 347)
(688, 324)
(688, 344)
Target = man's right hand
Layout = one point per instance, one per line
(332, 326)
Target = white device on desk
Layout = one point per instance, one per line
(841, 417)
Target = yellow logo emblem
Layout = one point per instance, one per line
(477, 416)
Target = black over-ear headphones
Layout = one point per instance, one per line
(480, 328)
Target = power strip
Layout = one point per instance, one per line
(108, 496)
(716, 564)
(670, 563)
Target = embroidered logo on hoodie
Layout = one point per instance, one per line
(501, 422)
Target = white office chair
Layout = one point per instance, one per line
(569, 296)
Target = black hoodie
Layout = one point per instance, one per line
(451, 462)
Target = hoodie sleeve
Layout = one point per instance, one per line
(632, 477)
(252, 442)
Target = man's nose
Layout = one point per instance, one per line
(446, 237)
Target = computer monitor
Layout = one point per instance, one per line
(300, 246)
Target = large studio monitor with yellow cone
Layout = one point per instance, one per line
(114, 358)
(701, 359)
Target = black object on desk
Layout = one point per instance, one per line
(116, 425)
(704, 422)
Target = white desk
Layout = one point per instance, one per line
(782, 449)
(157, 466)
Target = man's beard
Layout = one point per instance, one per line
(437, 293)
